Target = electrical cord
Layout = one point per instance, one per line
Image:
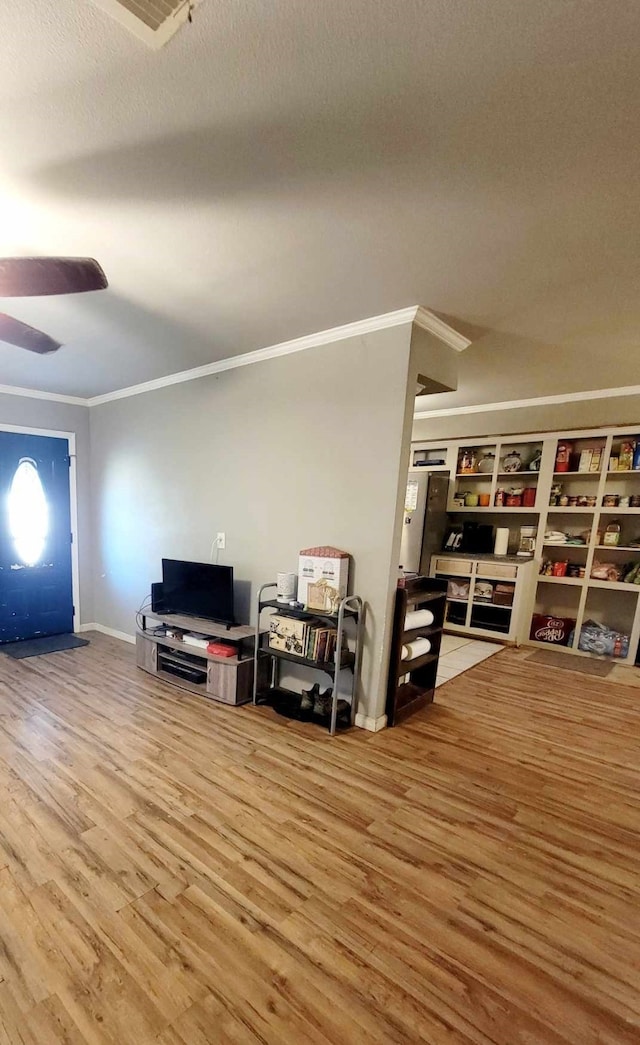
(144, 605)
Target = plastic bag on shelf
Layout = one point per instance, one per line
(606, 571)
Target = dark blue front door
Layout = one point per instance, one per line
(36, 594)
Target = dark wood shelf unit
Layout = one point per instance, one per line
(412, 683)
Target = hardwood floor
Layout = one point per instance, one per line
(182, 873)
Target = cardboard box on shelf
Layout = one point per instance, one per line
(546, 627)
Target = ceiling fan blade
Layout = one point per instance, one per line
(35, 277)
(16, 333)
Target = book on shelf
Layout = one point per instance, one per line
(302, 639)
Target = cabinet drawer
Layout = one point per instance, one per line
(497, 569)
(463, 567)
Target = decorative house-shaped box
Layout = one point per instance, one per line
(323, 575)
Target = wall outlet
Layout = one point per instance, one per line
(220, 540)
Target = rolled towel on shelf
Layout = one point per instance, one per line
(418, 619)
(414, 649)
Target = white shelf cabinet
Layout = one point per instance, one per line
(614, 603)
(478, 616)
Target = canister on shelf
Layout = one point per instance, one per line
(563, 456)
(512, 462)
(529, 497)
(486, 463)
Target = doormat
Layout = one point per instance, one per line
(37, 647)
(551, 659)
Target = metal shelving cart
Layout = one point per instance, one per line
(346, 660)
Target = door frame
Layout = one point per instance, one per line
(73, 499)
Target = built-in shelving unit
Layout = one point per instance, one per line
(577, 596)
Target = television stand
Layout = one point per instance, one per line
(191, 668)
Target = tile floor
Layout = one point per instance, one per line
(458, 654)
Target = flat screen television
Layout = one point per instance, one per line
(198, 589)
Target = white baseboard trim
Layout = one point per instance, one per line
(108, 631)
(374, 725)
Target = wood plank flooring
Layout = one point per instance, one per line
(177, 872)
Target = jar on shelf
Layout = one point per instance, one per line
(512, 462)
(468, 462)
(500, 498)
(514, 498)
(612, 534)
(486, 463)
(529, 497)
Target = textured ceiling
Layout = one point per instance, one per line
(282, 168)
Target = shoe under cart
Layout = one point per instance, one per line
(343, 668)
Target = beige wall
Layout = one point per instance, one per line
(499, 367)
(280, 455)
(27, 412)
(595, 413)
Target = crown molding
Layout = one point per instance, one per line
(523, 404)
(415, 314)
(35, 393)
(285, 348)
(427, 320)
